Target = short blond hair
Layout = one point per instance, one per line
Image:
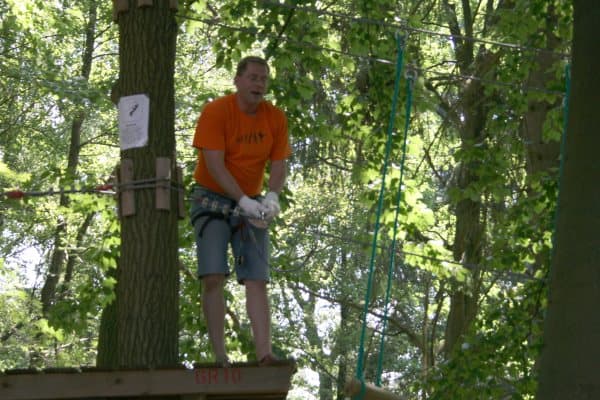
(243, 64)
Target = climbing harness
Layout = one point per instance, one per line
(213, 206)
(214, 210)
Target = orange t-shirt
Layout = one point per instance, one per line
(248, 141)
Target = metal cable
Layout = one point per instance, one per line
(403, 26)
(520, 87)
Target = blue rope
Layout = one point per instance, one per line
(561, 167)
(361, 350)
(409, 86)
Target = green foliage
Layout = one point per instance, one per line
(10, 176)
(497, 359)
(333, 68)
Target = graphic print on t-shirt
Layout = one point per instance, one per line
(252, 137)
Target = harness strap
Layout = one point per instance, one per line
(212, 215)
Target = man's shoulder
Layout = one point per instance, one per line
(219, 107)
(222, 101)
(272, 109)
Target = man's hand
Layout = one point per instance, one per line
(252, 208)
(271, 204)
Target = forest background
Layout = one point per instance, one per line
(470, 255)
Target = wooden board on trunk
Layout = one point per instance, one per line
(206, 382)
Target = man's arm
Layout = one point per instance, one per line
(215, 163)
(278, 175)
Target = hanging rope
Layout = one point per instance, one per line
(361, 349)
(563, 141)
(410, 78)
(561, 163)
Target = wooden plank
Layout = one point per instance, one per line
(163, 183)
(126, 195)
(237, 382)
(121, 5)
(279, 396)
(180, 194)
(193, 397)
(354, 387)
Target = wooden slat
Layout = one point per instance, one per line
(180, 194)
(126, 196)
(119, 6)
(354, 388)
(238, 382)
(163, 184)
(193, 397)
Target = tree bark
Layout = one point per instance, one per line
(106, 356)
(569, 361)
(468, 237)
(340, 349)
(147, 306)
(542, 154)
(59, 253)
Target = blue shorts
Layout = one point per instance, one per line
(216, 227)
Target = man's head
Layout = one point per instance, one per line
(243, 64)
(251, 80)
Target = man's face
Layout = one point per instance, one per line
(252, 84)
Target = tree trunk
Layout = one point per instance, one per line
(468, 238)
(59, 252)
(106, 355)
(341, 351)
(569, 361)
(147, 307)
(542, 154)
(472, 113)
(72, 261)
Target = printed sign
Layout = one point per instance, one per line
(212, 376)
(133, 121)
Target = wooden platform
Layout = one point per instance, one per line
(203, 382)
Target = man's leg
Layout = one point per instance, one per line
(213, 306)
(257, 306)
(213, 233)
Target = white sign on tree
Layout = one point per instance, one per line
(133, 121)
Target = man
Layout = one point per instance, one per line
(237, 135)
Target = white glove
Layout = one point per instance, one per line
(252, 208)
(271, 204)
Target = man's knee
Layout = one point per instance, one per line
(255, 286)
(213, 282)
